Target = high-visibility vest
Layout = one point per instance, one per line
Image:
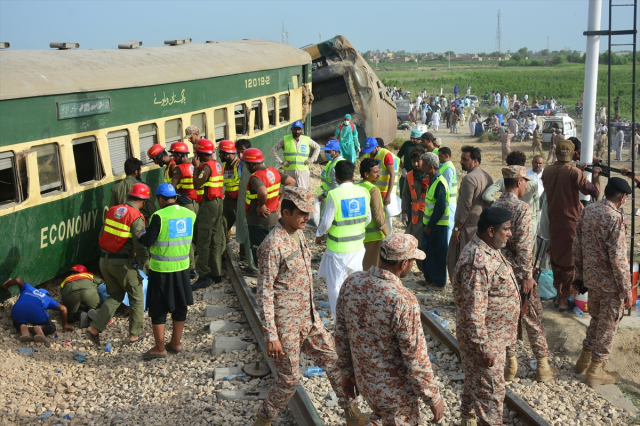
(430, 202)
(117, 227)
(232, 180)
(168, 172)
(76, 277)
(373, 233)
(212, 188)
(170, 252)
(347, 231)
(185, 186)
(271, 179)
(417, 203)
(453, 189)
(325, 176)
(291, 154)
(383, 182)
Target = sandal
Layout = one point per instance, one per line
(141, 337)
(148, 355)
(94, 338)
(24, 338)
(171, 350)
(41, 339)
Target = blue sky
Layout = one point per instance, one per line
(423, 26)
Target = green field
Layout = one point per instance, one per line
(565, 83)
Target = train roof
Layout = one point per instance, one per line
(30, 73)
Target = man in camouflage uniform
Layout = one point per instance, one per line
(488, 301)
(289, 319)
(381, 346)
(518, 251)
(602, 267)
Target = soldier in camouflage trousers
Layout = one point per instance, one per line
(600, 256)
(518, 251)
(381, 346)
(488, 304)
(289, 319)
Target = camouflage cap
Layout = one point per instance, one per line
(513, 172)
(401, 247)
(302, 198)
(564, 150)
(191, 130)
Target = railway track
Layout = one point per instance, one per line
(301, 405)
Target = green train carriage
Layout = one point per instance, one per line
(70, 118)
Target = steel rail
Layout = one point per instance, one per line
(301, 407)
(527, 414)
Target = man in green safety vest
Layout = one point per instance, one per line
(429, 142)
(296, 149)
(448, 171)
(328, 175)
(389, 165)
(168, 237)
(345, 219)
(376, 229)
(436, 224)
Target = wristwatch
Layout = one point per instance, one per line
(456, 229)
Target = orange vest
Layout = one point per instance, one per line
(76, 277)
(213, 187)
(271, 179)
(168, 171)
(417, 204)
(117, 227)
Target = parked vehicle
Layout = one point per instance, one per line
(562, 122)
(403, 110)
(474, 100)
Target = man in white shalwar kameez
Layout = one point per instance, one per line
(435, 120)
(336, 267)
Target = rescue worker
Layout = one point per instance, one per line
(231, 181)
(404, 154)
(289, 319)
(436, 224)
(120, 191)
(192, 134)
(346, 216)
(488, 303)
(168, 237)
(124, 224)
(182, 181)
(602, 267)
(536, 144)
(161, 157)
(448, 171)
(429, 142)
(79, 293)
(389, 166)
(328, 174)
(262, 203)
(296, 150)
(211, 243)
(347, 135)
(242, 229)
(381, 346)
(376, 230)
(413, 195)
(519, 252)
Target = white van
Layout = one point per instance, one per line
(559, 121)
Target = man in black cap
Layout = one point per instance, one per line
(602, 267)
(488, 301)
(428, 142)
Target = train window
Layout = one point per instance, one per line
(49, 170)
(172, 131)
(271, 110)
(283, 107)
(220, 124)
(87, 160)
(256, 106)
(119, 150)
(9, 180)
(240, 114)
(147, 136)
(295, 80)
(200, 121)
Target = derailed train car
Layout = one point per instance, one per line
(343, 83)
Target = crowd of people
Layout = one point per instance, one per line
(457, 233)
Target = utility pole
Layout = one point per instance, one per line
(449, 59)
(547, 45)
(319, 37)
(287, 36)
(498, 36)
(283, 34)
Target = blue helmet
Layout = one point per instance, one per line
(369, 145)
(166, 190)
(297, 124)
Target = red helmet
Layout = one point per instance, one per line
(79, 269)
(180, 147)
(253, 155)
(154, 151)
(205, 146)
(227, 146)
(140, 190)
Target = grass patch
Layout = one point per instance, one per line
(396, 144)
(633, 396)
(487, 137)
